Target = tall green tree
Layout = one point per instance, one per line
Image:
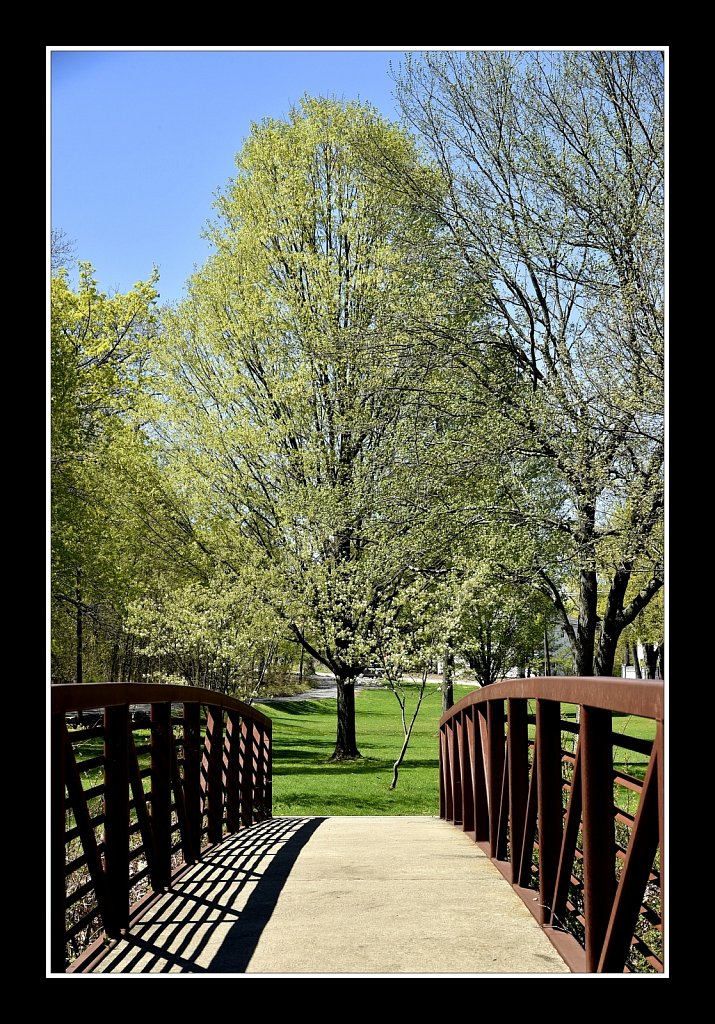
(287, 380)
(551, 198)
(99, 347)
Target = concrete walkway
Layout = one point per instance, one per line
(336, 896)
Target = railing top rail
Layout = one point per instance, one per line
(84, 696)
(641, 697)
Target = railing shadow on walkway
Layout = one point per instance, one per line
(179, 937)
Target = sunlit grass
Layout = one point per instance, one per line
(305, 781)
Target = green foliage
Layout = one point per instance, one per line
(286, 377)
(401, 400)
(213, 633)
(552, 197)
(99, 348)
(499, 628)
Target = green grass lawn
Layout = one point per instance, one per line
(305, 782)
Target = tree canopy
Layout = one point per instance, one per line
(413, 401)
(286, 381)
(99, 348)
(551, 193)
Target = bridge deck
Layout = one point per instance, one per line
(339, 895)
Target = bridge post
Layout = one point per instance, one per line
(246, 763)
(233, 771)
(466, 770)
(548, 767)
(116, 818)
(495, 771)
(518, 757)
(192, 777)
(455, 736)
(481, 746)
(266, 777)
(213, 767)
(599, 881)
(58, 856)
(161, 793)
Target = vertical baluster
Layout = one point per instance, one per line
(58, 848)
(192, 776)
(116, 818)
(268, 769)
(481, 799)
(257, 795)
(257, 772)
(233, 771)
(502, 831)
(161, 792)
(599, 881)
(495, 769)
(246, 782)
(213, 746)
(548, 767)
(447, 770)
(455, 766)
(466, 748)
(442, 786)
(518, 757)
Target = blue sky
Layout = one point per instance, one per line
(142, 139)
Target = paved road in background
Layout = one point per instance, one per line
(325, 689)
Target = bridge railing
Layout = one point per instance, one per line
(568, 807)
(144, 778)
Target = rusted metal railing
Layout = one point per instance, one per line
(535, 782)
(144, 778)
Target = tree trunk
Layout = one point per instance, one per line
(650, 652)
(661, 660)
(346, 743)
(616, 617)
(586, 626)
(448, 679)
(636, 660)
(547, 655)
(400, 759)
(606, 654)
(114, 667)
(79, 633)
